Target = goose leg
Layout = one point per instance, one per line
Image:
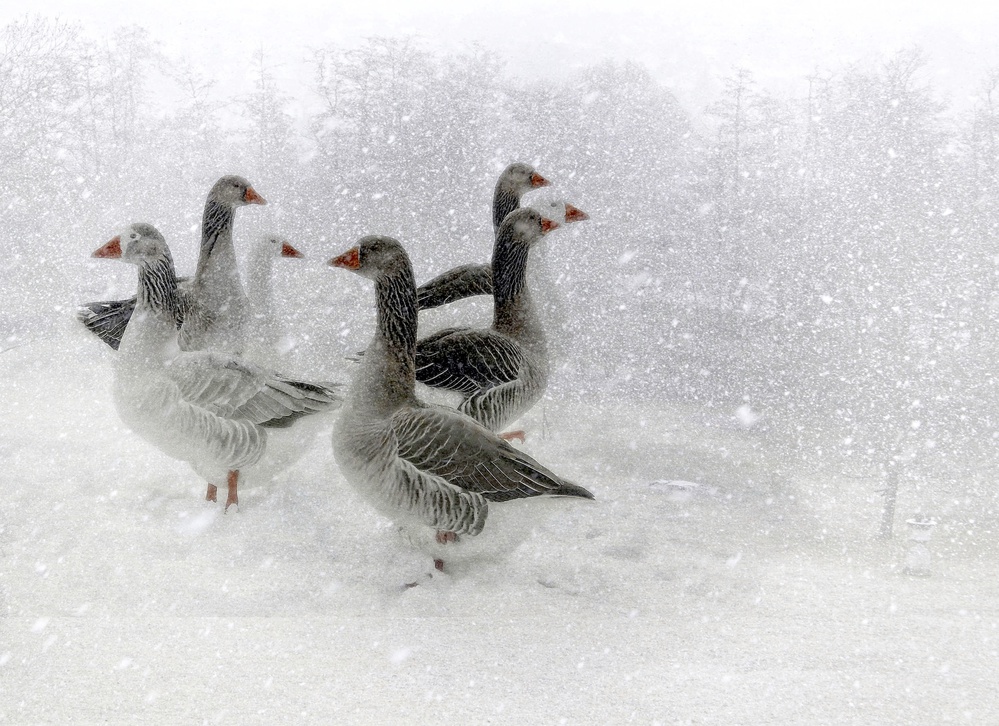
(511, 435)
(232, 481)
(443, 538)
(212, 495)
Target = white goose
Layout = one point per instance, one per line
(433, 470)
(267, 338)
(211, 410)
(268, 343)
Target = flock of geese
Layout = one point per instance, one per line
(189, 377)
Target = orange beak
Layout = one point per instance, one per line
(111, 250)
(572, 214)
(548, 225)
(288, 251)
(539, 181)
(349, 260)
(251, 197)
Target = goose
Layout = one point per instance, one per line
(477, 278)
(503, 370)
(214, 310)
(433, 470)
(267, 339)
(268, 345)
(209, 409)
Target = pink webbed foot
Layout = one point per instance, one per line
(517, 435)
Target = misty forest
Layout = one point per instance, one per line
(783, 299)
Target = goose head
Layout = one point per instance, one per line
(373, 257)
(519, 178)
(273, 245)
(234, 191)
(524, 227)
(141, 244)
(559, 210)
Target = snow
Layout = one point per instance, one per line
(127, 598)
(753, 340)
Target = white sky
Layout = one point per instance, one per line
(686, 44)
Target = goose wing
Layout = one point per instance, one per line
(107, 319)
(455, 284)
(467, 360)
(453, 447)
(234, 389)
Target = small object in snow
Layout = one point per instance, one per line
(921, 528)
(917, 559)
(676, 490)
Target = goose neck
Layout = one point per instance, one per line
(388, 377)
(216, 239)
(505, 201)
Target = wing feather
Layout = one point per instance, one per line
(456, 284)
(238, 390)
(449, 445)
(467, 361)
(107, 319)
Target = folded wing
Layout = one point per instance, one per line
(446, 444)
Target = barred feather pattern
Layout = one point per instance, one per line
(467, 361)
(367, 453)
(498, 407)
(509, 285)
(505, 200)
(107, 319)
(397, 313)
(392, 371)
(498, 377)
(448, 445)
(204, 409)
(217, 314)
(237, 389)
(213, 444)
(158, 286)
(216, 225)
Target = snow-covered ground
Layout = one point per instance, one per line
(126, 598)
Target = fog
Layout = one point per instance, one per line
(786, 290)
